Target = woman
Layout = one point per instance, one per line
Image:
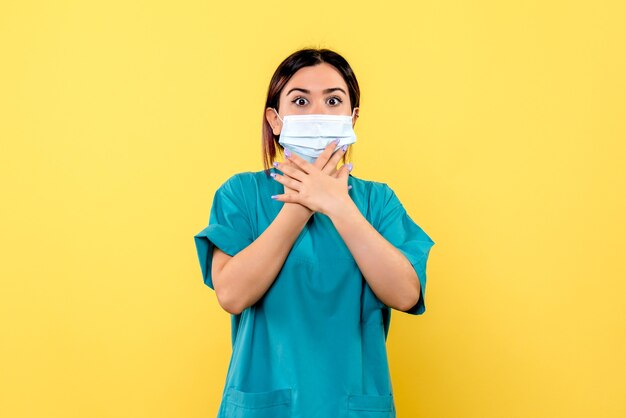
(309, 260)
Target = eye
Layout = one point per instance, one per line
(335, 99)
(298, 99)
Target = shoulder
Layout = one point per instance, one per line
(378, 193)
(242, 181)
(376, 200)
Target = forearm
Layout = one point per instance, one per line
(387, 271)
(246, 277)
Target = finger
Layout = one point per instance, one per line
(339, 172)
(291, 164)
(288, 168)
(286, 181)
(286, 197)
(288, 162)
(304, 165)
(331, 165)
(344, 172)
(322, 159)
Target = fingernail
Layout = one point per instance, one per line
(349, 187)
(287, 153)
(274, 196)
(336, 141)
(344, 148)
(273, 175)
(275, 163)
(350, 167)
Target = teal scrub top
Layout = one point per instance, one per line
(315, 344)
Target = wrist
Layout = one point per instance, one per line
(344, 209)
(297, 211)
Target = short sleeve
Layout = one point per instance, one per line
(229, 226)
(397, 227)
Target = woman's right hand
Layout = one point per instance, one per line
(297, 206)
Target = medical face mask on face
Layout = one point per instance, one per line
(308, 135)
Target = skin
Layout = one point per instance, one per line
(241, 280)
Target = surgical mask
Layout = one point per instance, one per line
(308, 135)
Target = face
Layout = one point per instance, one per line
(319, 89)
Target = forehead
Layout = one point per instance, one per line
(316, 78)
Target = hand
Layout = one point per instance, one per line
(318, 186)
(287, 189)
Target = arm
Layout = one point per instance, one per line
(243, 279)
(388, 272)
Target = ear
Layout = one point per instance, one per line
(356, 115)
(273, 120)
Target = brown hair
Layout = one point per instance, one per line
(302, 58)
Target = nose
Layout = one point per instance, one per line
(318, 108)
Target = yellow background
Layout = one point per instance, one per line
(501, 126)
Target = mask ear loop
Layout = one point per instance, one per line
(281, 119)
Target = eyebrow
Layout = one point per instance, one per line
(309, 91)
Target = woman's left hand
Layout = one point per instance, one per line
(318, 186)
